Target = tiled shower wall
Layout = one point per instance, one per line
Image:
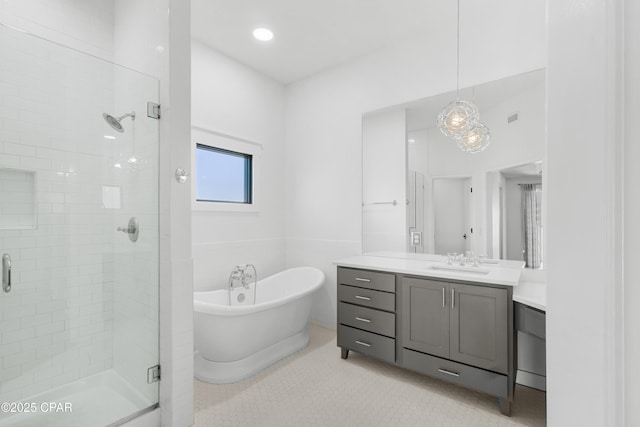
(56, 324)
(17, 199)
(85, 25)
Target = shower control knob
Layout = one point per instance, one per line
(132, 229)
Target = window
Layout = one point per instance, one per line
(226, 172)
(223, 176)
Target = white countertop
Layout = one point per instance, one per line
(499, 273)
(533, 294)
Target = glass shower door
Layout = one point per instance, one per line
(79, 227)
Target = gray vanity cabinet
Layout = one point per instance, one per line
(464, 323)
(479, 327)
(425, 320)
(366, 313)
(457, 332)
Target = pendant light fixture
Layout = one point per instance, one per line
(476, 140)
(459, 120)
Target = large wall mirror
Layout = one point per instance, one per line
(421, 194)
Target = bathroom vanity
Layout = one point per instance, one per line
(450, 322)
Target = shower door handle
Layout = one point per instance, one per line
(6, 273)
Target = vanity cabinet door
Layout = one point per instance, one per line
(479, 326)
(425, 318)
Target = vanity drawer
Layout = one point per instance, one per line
(368, 319)
(367, 297)
(367, 343)
(530, 321)
(468, 376)
(367, 279)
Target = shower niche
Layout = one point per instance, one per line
(17, 199)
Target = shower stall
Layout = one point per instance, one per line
(78, 237)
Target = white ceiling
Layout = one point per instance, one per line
(313, 35)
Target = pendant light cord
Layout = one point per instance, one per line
(458, 53)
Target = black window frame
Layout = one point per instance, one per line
(248, 174)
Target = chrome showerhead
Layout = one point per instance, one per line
(114, 122)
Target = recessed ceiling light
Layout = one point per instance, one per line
(263, 34)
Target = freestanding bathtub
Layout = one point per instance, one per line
(235, 342)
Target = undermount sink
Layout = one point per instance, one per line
(460, 269)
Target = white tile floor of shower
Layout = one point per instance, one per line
(99, 400)
(315, 387)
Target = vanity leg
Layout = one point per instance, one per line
(344, 352)
(505, 406)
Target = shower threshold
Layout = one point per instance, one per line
(99, 400)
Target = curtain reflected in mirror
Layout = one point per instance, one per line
(531, 195)
(515, 214)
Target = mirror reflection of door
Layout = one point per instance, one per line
(466, 198)
(451, 203)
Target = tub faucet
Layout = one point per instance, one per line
(235, 279)
(243, 275)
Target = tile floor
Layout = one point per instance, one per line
(315, 387)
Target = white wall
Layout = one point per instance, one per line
(83, 25)
(384, 169)
(323, 130)
(583, 228)
(230, 98)
(632, 213)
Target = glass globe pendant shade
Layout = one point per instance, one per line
(476, 140)
(458, 118)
